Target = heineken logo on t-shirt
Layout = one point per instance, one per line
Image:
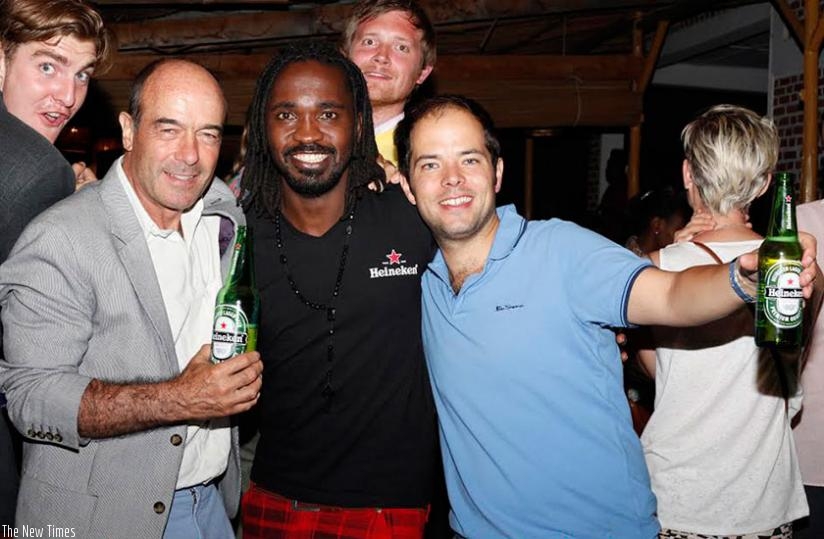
(393, 266)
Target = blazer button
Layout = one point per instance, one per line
(58, 438)
(40, 434)
(49, 436)
(30, 433)
(176, 439)
(159, 507)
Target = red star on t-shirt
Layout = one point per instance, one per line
(394, 258)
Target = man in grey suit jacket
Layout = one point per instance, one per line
(106, 300)
(44, 77)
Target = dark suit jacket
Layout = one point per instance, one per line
(33, 176)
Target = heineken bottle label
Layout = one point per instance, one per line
(783, 297)
(230, 333)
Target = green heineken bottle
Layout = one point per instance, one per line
(237, 308)
(780, 306)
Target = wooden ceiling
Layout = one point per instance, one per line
(533, 63)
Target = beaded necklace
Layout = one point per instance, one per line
(329, 306)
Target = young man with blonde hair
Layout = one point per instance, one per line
(393, 44)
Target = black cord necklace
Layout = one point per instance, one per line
(329, 306)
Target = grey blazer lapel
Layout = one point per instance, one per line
(136, 259)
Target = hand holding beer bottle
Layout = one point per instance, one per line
(780, 303)
(237, 308)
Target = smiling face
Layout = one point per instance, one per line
(452, 177)
(171, 155)
(387, 50)
(311, 127)
(46, 82)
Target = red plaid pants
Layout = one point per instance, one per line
(267, 515)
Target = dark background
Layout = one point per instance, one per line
(563, 159)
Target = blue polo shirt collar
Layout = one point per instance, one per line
(512, 226)
(510, 230)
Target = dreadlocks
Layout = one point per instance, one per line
(261, 178)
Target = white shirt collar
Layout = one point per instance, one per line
(389, 124)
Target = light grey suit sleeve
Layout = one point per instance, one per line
(46, 312)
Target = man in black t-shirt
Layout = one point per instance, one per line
(347, 423)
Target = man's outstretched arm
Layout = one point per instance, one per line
(702, 294)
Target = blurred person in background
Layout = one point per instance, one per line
(613, 205)
(653, 218)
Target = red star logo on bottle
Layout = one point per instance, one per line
(788, 199)
(394, 258)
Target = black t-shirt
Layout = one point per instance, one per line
(375, 445)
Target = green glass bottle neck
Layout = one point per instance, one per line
(782, 219)
(241, 269)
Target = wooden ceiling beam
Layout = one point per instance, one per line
(233, 4)
(457, 67)
(663, 11)
(208, 28)
(538, 67)
(183, 33)
(790, 18)
(537, 104)
(652, 57)
(622, 25)
(681, 10)
(525, 104)
(519, 91)
(472, 6)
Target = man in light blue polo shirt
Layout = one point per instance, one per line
(536, 434)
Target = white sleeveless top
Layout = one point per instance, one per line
(719, 447)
